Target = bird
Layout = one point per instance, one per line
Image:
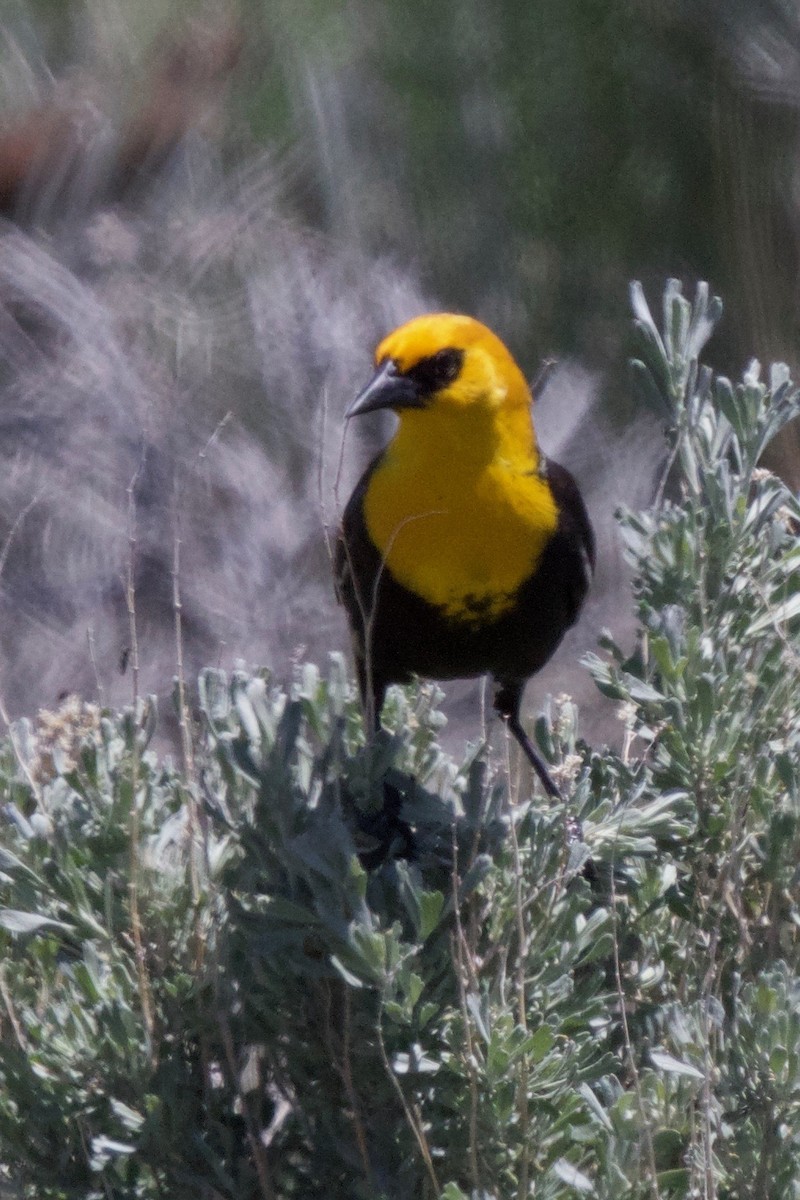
(463, 550)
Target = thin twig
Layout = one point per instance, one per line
(414, 1122)
(542, 376)
(19, 1033)
(12, 533)
(670, 463)
(194, 821)
(187, 749)
(101, 696)
(522, 1014)
(484, 683)
(145, 994)
(346, 1075)
(340, 466)
(457, 947)
(323, 508)
(621, 1000)
(257, 1148)
(716, 905)
(130, 586)
(215, 435)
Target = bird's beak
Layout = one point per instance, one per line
(387, 389)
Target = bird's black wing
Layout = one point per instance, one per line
(574, 538)
(357, 565)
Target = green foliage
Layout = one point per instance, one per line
(424, 995)
(79, 1059)
(302, 966)
(714, 711)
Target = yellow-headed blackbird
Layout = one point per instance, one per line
(463, 550)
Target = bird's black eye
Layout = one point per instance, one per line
(435, 372)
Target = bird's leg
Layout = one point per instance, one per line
(507, 699)
(376, 695)
(373, 694)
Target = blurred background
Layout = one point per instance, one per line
(211, 214)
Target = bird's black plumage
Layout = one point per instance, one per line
(398, 634)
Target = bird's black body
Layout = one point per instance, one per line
(465, 424)
(398, 634)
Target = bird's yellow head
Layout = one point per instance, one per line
(444, 362)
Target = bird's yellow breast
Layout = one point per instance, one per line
(461, 510)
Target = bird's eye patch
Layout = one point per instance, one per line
(435, 372)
